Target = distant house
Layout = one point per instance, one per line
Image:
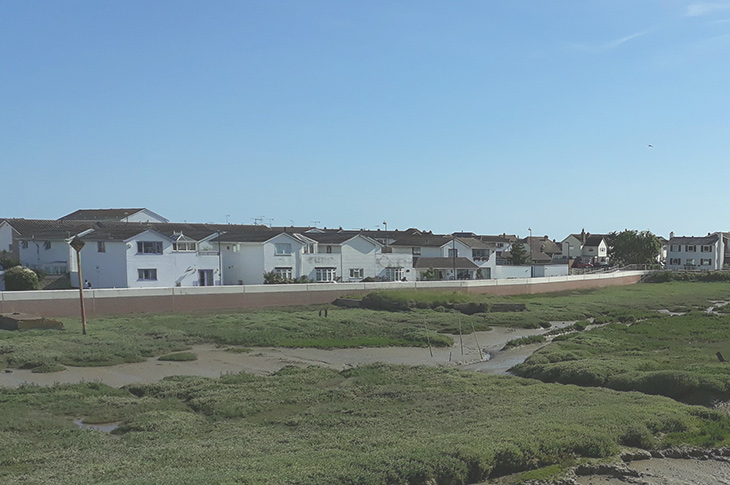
(586, 245)
(706, 253)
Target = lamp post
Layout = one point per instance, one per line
(453, 253)
(532, 269)
(77, 244)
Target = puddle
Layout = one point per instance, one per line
(103, 427)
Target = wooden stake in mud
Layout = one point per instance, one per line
(477, 340)
(428, 339)
(461, 340)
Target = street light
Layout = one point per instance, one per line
(532, 269)
(77, 244)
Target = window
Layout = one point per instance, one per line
(24, 244)
(453, 253)
(329, 249)
(283, 273)
(675, 261)
(416, 251)
(147, 274)
(706, 262)
(325, 274)
(283, 249)
(690, 248)
(480, 254)
(149, 247)
(100, 247)
(47, 245)
(309, 249)
(689, 262)
(674, 248)
(357, 273)
(183, 246)
(706, 249)
(393, 274)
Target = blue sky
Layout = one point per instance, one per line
(475, 115)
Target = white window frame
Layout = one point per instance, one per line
(147, 274)
(149, 247)
(357, 273)
(283, 272)
(690, 248)
(706, 262)
(184, 247)
(324, 275)
(706, 249)
(416, 251)
(453, 252)
(394, 273)
(675, 261)
(690, 262)
(282, 249)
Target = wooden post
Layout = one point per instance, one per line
(477, 340)
(78, 244)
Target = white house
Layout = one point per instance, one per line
(705, 253)
(135, 256)
(247, 255)
(586, 244)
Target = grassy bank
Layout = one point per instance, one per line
(671, 356)
(371, 425)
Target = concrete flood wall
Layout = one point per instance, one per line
(98, 302)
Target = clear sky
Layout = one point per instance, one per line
(484, 116)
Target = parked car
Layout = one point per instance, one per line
(583, 262)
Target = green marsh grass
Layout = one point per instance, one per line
(670, 356)
(378, 424)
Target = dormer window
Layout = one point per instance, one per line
(182, 243)
(416, 251)
(183, 246)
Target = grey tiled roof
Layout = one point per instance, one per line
(692, 240)
(100, 214)
(441, 263)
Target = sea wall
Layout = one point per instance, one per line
(98, 302)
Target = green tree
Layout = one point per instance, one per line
(20, 278)
(634, 247)
(519, 254)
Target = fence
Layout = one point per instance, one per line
(65, 303)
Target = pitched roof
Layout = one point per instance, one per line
(708, 240)
(460, 263)
(594, 239)
(423, 240)
(44, 229)
(119, 215)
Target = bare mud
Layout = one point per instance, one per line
(668, 471)
(479, 352)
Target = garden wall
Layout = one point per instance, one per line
(65, 303)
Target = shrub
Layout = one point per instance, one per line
(380, 300)
(21, 278)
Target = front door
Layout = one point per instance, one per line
(205, 277)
